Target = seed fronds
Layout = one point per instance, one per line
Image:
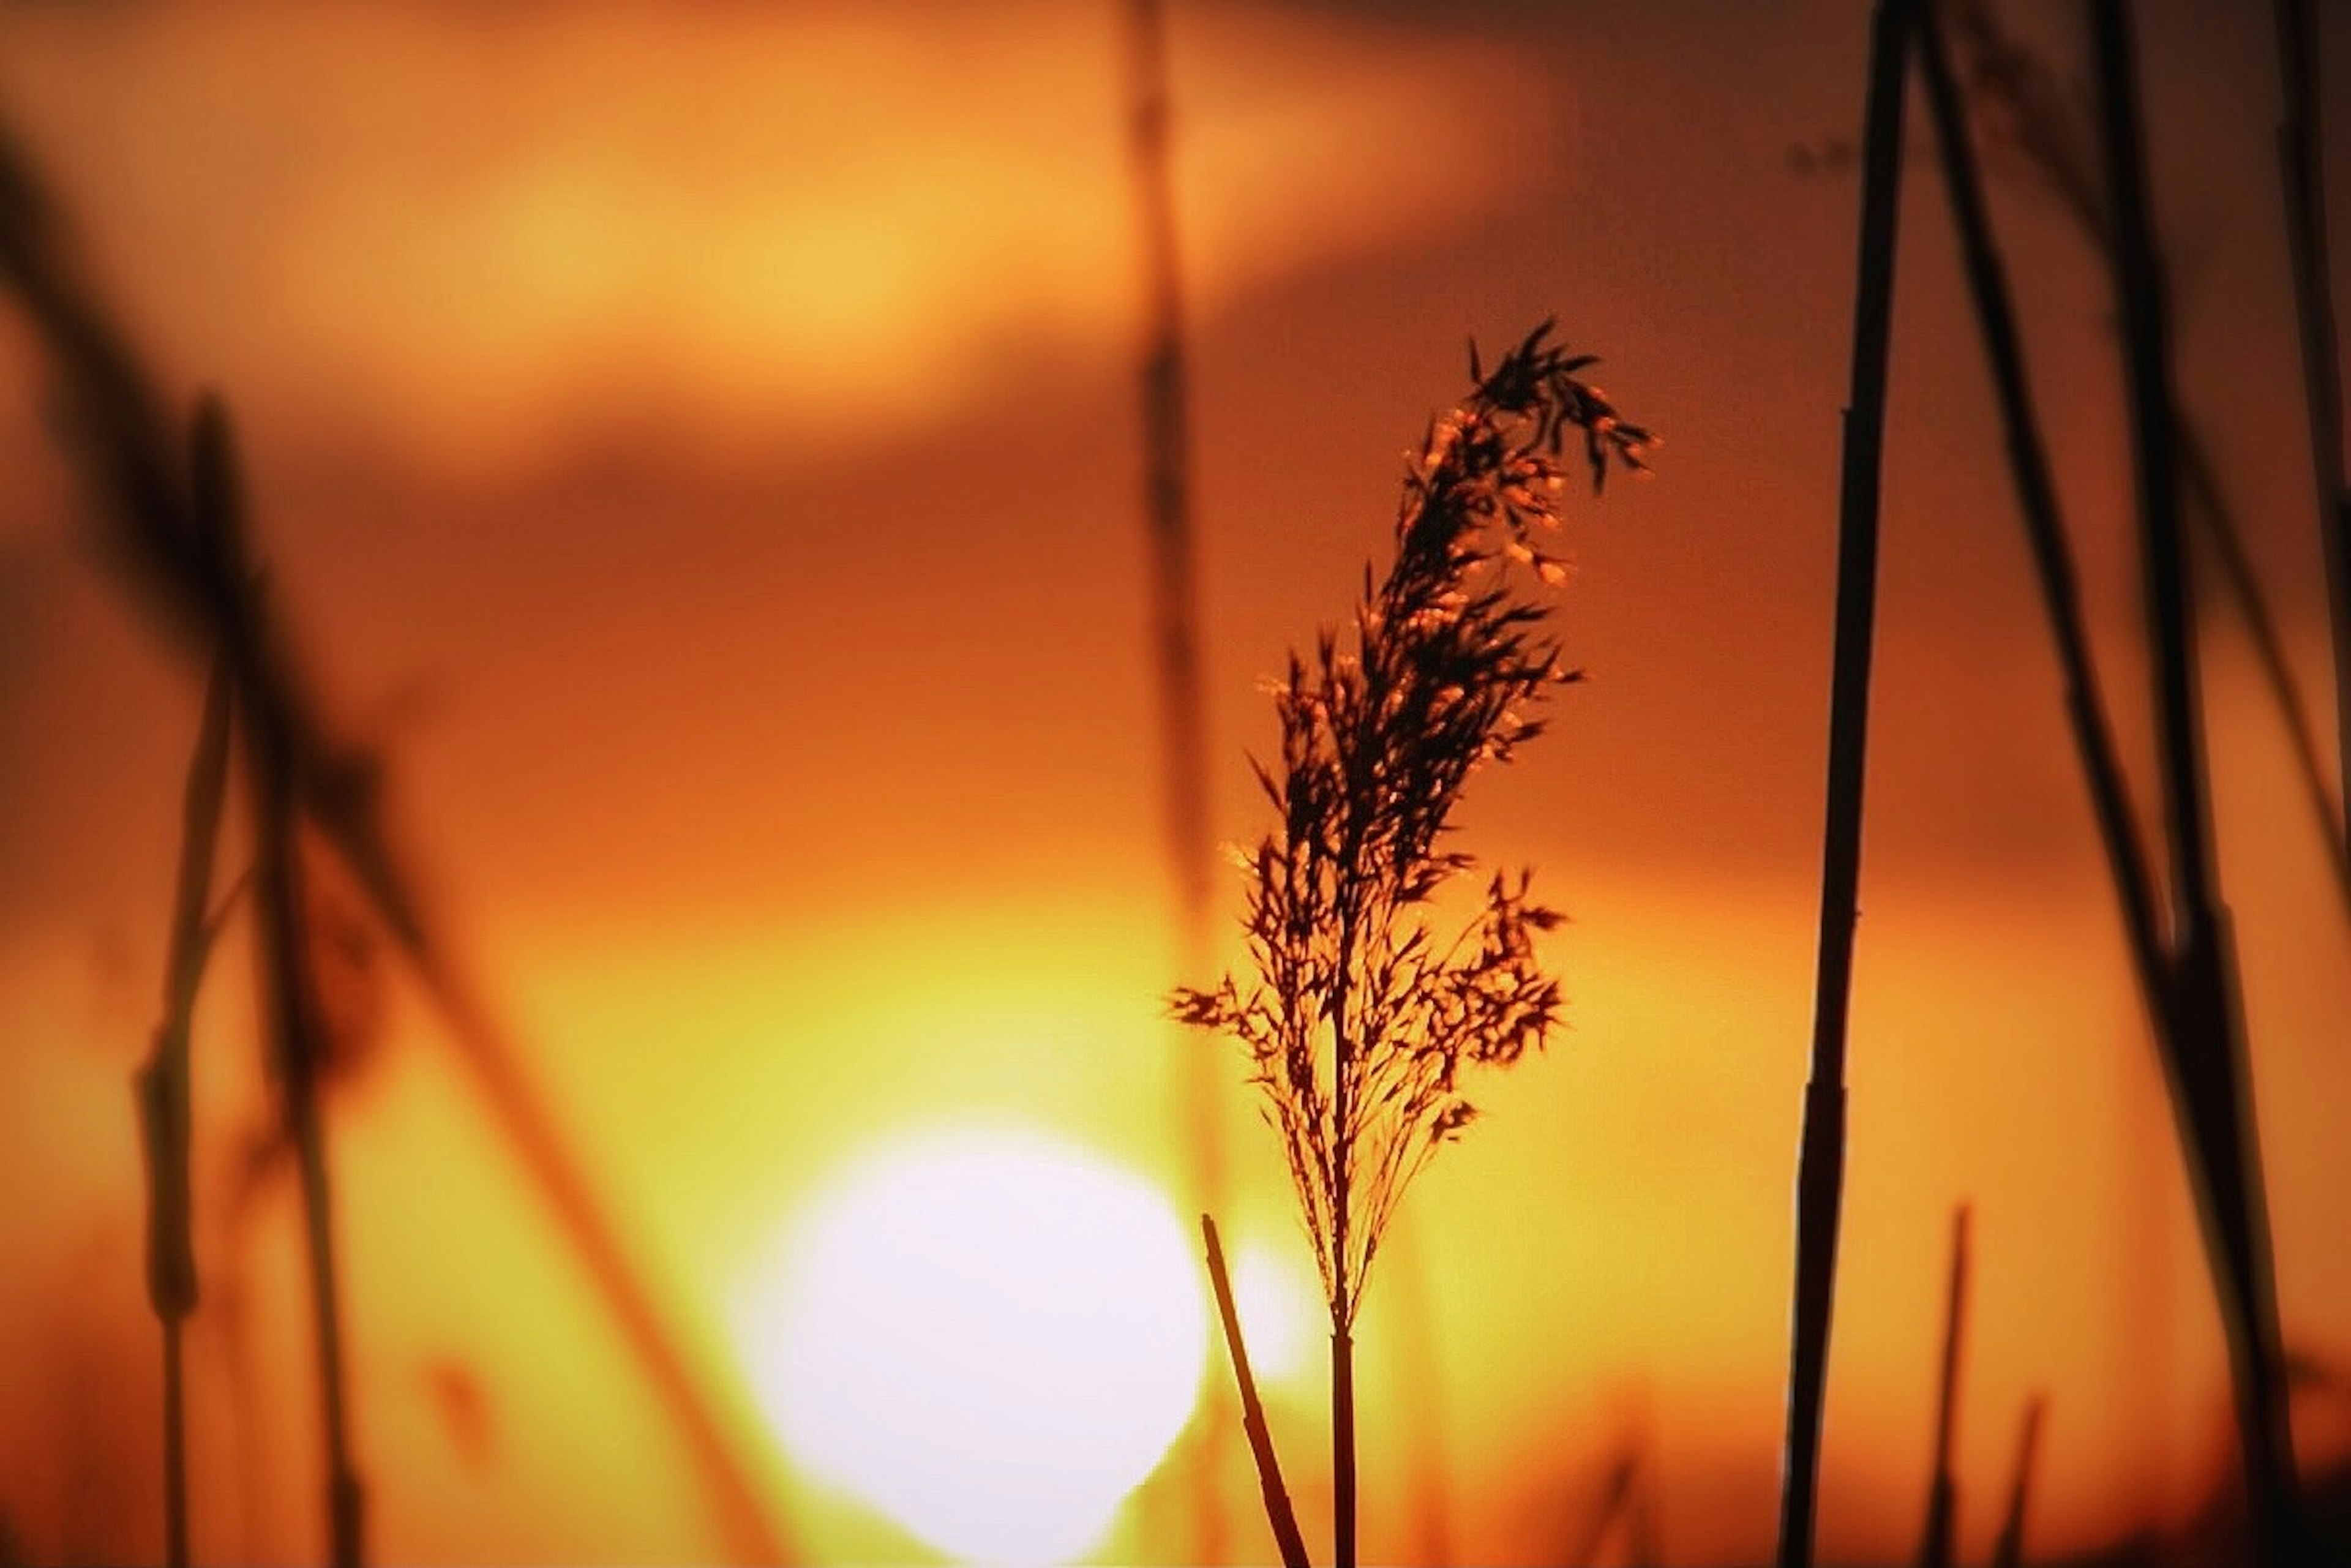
(1360, 1020)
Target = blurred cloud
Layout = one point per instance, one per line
(471, 235)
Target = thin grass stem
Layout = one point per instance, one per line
(2051, 553)
(122, 438)
(2302, 142)
(2208, 1084)
(165, 1101)
(1820, 1176)
(1165, 384)
(1278, 1512)
(1942, 1488)
(2008, 1552)
(298, 1037)
(2043, 133)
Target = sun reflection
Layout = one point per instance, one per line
(992, 1337)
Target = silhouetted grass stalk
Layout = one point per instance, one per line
(1175, 628)
(2033, 113)
(2009, 1551)
(2052, 558)
(162, 1090)
(2209, 1080)
(299, 1045)
(1278, 1512)
(1358, 1020)
(2193, 1052)
(2302, 170)
(1820, 1171)
(114, 418)
(1942, 1489)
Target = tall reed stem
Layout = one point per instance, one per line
(2052, 556)
(122, 438)
(2009, 1552)
(1343, 1447)
(2045, 139)
(1168, 495)
(2210, 1090)
(165, 1103)
(2302, 165)
(1820, 1177)
(1942, 1492)
(1278, 1512)
(1175, 621)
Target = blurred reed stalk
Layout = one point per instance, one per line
(2009, 1551)
(2028, 114)
(1820, 1169)
(2052, 558)
(165, 1103)
(1359, 1020)
(2302, 173)
(1175, 633)
(115, 423)
(1278, 1512)
(298, 1043)
(1942, 1490)
(2208, 1062)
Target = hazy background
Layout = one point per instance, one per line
(700, 446)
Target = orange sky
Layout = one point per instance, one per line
(702, 448)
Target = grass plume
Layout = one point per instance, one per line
(1360, 1020)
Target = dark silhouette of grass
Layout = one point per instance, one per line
(2208, 1061)
(1168, 495)
(2025, 114)
(2302, 174)
(2196, 1050)
(298, 1036)
(162, 1092)
(1358, 1021)
(1278, 1512)
(2008, 1549)
(1164, 385)
(1820, 1170)
(115, 422)
(2052, 558)
(1625, 1499)
(1942, 1488)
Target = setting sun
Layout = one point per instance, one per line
(709, 714)
(990, 1337)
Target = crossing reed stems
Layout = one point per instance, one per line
(2210, 1090)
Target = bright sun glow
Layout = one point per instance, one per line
(1276, 1301)
(992, 1337)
